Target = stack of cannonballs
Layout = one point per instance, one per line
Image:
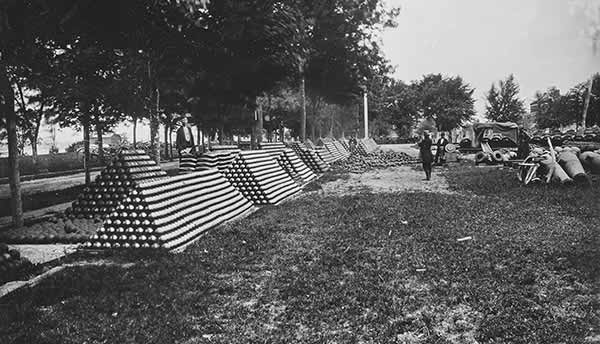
(220, 159)
(560, 138)
(277, 150)
(335, 148)
(129, 225)
(324, 154)
(310, 157)
(170, 213)
(284, 161)
(260, 178)
(300, 168)
(11, 263)
(358, 163)
(240, 176)
(114, 184)
(57, 229)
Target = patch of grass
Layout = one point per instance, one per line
(325, 269)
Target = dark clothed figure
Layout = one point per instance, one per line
(426, 155)
(352, 143)
(440, 154)
(523, 149)
(185, 140)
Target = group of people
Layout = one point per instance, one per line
(427, 156)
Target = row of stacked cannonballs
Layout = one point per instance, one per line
(115, 183)
(171, 213)
(557, 137)
(118, 196)
(153, 211)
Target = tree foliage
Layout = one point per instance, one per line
(503, 103)
(554, 109)
(446, 100)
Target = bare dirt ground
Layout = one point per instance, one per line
(396, 179)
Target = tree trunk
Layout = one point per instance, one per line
(86, 146)
(303, 117)
(99, 132)
(134, 132)
(154, 126)
(154, 110)
(587, 102)
(167, 139)
(14, 178)
(260, 126)
(200, 142)
(221, 134)
(209, 138)
(171, 141)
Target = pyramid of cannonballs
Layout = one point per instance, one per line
(115, 183)
(309, 157)
(171, 213)
(360, 148)
(300, 168)
(276, 150)
(343, 150)
(324, 154)
(224, 148)
(187, 163)
(371, 144)
(220, 159)
(290, 162)
(260, 178)
(332, 148)
(345, 144)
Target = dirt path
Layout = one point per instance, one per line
(396, 179)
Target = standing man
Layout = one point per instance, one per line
(185, 139)
(440, 154)
(426, 155)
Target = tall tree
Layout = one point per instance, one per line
(446, 100)
(503, 103)
(25, 26)
(393, 104)
(342, 50)
(555, 109)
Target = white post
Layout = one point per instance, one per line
(366, 113)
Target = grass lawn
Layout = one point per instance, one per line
(365, 268)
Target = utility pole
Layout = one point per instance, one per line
(587, 102)
(366, 113)
(595, 38)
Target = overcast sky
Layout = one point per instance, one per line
(542, 42)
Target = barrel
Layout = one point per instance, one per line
(591, 161)
(571, 164)
(556, 171)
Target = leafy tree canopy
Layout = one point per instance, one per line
(503, 103)
(447, 100)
